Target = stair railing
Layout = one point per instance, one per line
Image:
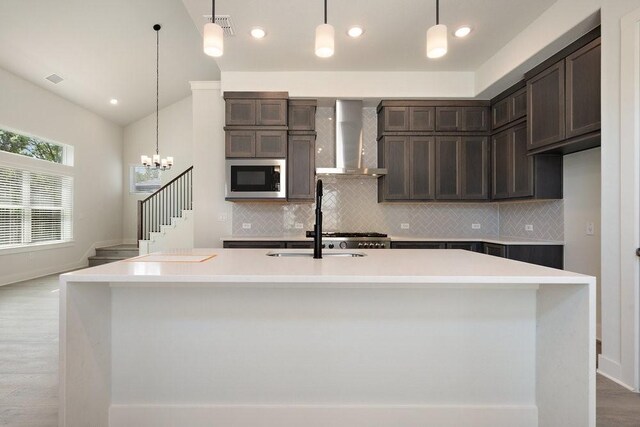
(166, 203)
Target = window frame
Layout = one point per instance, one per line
(68, 157)
(132, 183)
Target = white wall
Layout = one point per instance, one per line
(208, 166)
(97, 174)
(582, 206)
(176, 139)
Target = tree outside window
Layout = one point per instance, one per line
(31, 147)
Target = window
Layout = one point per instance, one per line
(144, 180)
(35, 208)
(36, 148)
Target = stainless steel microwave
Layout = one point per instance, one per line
(256, 179)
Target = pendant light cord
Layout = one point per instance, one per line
(213, 11)
(437, 12)
(325, 11)
(157, 86)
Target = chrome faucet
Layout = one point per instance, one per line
(317, 228)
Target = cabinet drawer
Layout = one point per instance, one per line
(300, 245)
(418, 245)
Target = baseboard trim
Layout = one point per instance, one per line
(602, 371)
(322, 416)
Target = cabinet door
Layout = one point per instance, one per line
(521, 181)
(495, 250)
(240, 143)
(299, 245)
(500, 113)
(271, 144)
(396, 160)
(501, 164)
(448, 167)
(396, 118)
(301, 167)
(422, 118)
(302, 117)
(545, 107)
(448, 118)
(518, 104)
(240, 112)
(475, 119)
(271, 112)
(418, 245)
(422, 155)
(583, 90)
(474, 168)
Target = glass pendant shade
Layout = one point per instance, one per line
(213, 39)
(437, 41)
(325, 35)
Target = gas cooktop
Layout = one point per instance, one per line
(345, 240)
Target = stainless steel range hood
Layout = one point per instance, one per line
(349, 143)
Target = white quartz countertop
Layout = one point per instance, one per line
(396, 267)
(497, 240)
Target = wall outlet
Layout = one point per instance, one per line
(476, 226)
(404, 226)
(299, 225)
(246, 225)
(590, 229)
(222, 217)
(528, 227)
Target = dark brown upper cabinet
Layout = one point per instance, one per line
(448, 159)
(509, 109)
(475, 119)
(545, 106)
(240, 143)
(396, 119)
(563, 99)
(394, 154)
(462, 168)
(422, 118)
(448, 119)
(517, 175)
(271, 112)
(302, 114)
(271, 144)
(301, 167)
(410, 163)
(240, 112)
(583, 90)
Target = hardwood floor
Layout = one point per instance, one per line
(29, 362)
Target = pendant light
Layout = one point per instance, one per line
(213, 35)
(437, 37)
(156, 162)
(325, 35)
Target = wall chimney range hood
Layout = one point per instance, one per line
(349, 144)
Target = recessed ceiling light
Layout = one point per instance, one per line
(462, 31)
(113, 101)
(355, 31)
(258, 33)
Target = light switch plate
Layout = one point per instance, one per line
(476, 226)
(404, 226)
(299, 225)
(590, 229)
(528, 227)
(246, 225)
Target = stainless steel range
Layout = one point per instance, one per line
(331, 240)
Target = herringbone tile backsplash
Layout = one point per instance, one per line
(351, 204)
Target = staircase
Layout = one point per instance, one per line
(112, 254)
(165, 218)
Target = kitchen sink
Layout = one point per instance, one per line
(310, 254)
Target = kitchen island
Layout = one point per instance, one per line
(235, 338)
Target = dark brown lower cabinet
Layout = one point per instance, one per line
(302, 244)
(301, 167)
(467, 246)
(418, 245)
(545, 255)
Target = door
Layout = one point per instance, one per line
(396, 160)
(521, 181)
(422, 155)
(271, 112)
(583, 90)
(475, 119)
(500, 113)
(501, 164)
(448, 167)
(422, 118)
(271, 144)
(301, 167)
(448, 119)
(396, 118)
(240, 112)
(240, 143)
(495, 250)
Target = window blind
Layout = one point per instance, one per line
(35, 207)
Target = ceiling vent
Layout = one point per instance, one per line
(225, 22)
(54, 78)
